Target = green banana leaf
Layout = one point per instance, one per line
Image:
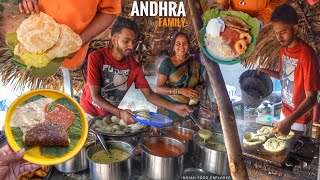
(49, 70)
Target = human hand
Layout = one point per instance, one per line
(12, 165)
(190, 93)
(29, 6)
(281, 128)
(125, 114)
(154, 131)
(199, 89)
(183, 110)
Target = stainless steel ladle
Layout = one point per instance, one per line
(102, 141)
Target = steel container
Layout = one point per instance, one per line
(162, 167)
(211, 160)
(179, 129)
(75, 164)
(112, 171)
(79, 162)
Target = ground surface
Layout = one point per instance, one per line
(10, 16)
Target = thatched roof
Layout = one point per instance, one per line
(151, 40)
(267, 47)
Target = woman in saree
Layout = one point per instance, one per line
(180, 77)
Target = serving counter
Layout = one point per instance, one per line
(301, 164)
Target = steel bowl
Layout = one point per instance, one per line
(166, 132)
(113, 171)
(213, 160)
(162, 167)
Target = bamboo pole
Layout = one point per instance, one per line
(236, 161)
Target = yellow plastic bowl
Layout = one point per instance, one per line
(34, 155)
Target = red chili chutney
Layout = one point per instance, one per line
(178, 134)
(160, 148)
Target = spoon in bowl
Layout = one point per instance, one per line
(102, 141)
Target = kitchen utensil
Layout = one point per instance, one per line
(258, 152)
(127, 134)
(78, 162)
(205, 134)
(103, 143)
(145, 147)
(162, 167)
(265, 108)
(213, 159)
(113, 171)
(254, 87)
(180, 133)
(195, 121)
(156, 119)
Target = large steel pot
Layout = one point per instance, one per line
(112, 171)
(210, 159)
(162, 167)
(176, 132)
(79, 162)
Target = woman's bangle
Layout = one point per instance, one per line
(176, 91)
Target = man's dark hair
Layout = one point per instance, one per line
(286, 14)
(121, 23)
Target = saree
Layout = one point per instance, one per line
(185, 75)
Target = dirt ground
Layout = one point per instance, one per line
(10, 18)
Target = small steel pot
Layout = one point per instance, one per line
(162, 167)
(165, 131)
(75, 164)
(79, 162)
(214, 161)
(113, 171)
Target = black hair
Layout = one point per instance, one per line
(164, 52)
(286, 14)
(121, 23)
(173, 40)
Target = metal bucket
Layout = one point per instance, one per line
(113, 171)
(254, 87)
(214, 161)
(162, 167)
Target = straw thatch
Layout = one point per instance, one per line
(267, 48)
(151, 40)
